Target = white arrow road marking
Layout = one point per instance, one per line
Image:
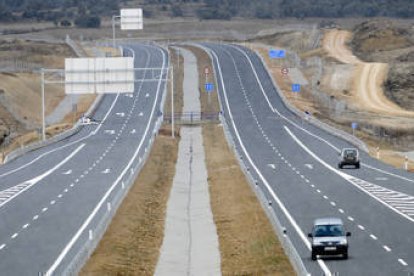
(273, 166)
(20, 188)
(110, 131)
(133, 131)
(129, 95)
(120, 114)
(309, 166)
(67, 172)
(106, 171)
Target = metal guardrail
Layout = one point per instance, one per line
(336, 132)
(77, 127)
(285, 241)
(192, 118)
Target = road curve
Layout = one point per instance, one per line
(295, 165)
(52, 199)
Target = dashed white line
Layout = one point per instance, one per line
(66, 190)
(373, 237)
(325, 197)
(341, 211)
(387, 248)
(2, 246)
(35, 217)
(402, 262)
(52, 202)
(44, 209)
(60, 196)
(361, 227)
(351, 218)
(319, 191)
(333, 203)
(25, 226)
(14, 235)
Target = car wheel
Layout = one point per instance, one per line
(346, 256)
(339, 166)
(357, 166)
(313, 256)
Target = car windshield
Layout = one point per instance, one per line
(328, 231)
(350, 153)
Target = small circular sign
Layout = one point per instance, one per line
(284, 71)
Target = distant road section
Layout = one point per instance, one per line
(368, 77)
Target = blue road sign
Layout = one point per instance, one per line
(209, 87)
(277, 53)
(354, 125)
(295, 87)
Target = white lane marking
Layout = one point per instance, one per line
(387, 248)
(381, 178)
(14, 235)
(319, 191)
(66, 190)
(35, 217)
(373, 237)
(109, 131)
(67, 172)
(141, 114)
(133, 131)
(309, 166)
(341, 211)
(29, 183)
(366, 187)
(106, 171)
(402, 262)
(325, 197)
(361, 227)
(2, 246)
(120, 114)
(351, 218)
(333, 203)
(25, 226)
(147, 95)
(272, 166)
(52, 202)
(44, 209)
(272, 193)
(70, 244)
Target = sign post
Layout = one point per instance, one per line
(354, 126)
(209, 87)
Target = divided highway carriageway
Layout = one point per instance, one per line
(52, 199)
(295, 163)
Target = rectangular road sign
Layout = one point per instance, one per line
(354, 125)
(99, 75)
(132, 19)
(209, 87)
(273, 53)
(295, 87)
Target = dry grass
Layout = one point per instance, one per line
(248, 244)
(131, 244)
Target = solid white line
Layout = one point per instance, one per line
(65, 251)
(38, 178)
(373, 237)
(402, 262)
(270, 190)
(387, 248)
(345, 176)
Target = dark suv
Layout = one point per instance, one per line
(349, 156)
(329, 238)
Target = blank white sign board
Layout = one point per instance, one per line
(99, 75)
(131, 19)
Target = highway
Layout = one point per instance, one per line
(296, 164)
(51, 198)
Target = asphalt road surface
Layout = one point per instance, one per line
(51, 198)
(296, 164)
